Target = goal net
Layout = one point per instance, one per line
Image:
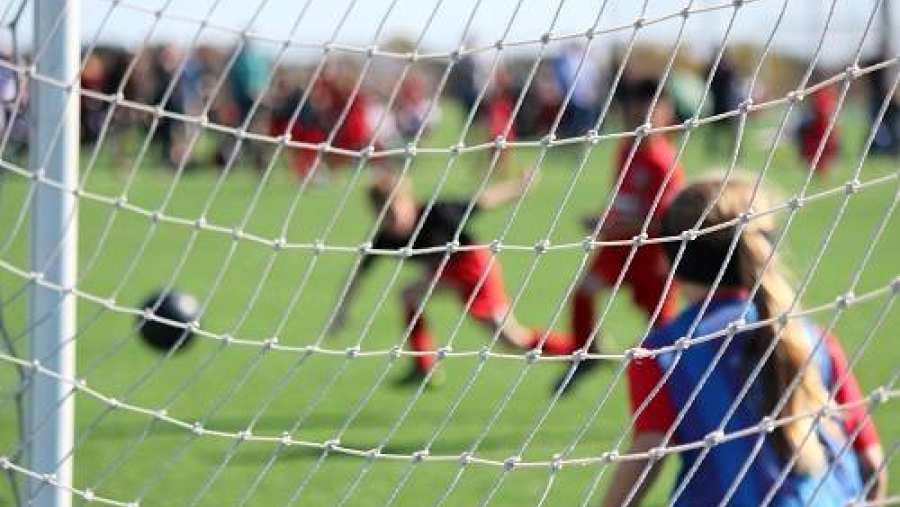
(194, 195)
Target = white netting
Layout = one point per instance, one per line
(221, 155)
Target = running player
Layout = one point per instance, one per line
(650, 177)
(811, 133)
(471, 273)
(713, 387)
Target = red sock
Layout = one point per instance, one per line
(420, 341)
(557, 344)
(582, 317)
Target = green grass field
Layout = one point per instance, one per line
(125, 456)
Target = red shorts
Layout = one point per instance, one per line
(646, 277)
(463, 272)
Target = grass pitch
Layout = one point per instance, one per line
(248, 289)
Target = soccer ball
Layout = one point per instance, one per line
(174, 306)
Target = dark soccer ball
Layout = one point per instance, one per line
(175, 306)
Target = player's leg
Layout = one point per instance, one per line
(420, 340)
(474, 275)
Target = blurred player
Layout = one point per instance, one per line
(811, 134)
(820, 463)
(644, 180)
(324, 115)
(462, 273)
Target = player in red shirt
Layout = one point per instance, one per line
(461, 274)
(651, 174)
(331, 93)
(822, 106)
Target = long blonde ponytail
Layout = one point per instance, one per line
(755, 261)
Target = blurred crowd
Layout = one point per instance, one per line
(385, 103)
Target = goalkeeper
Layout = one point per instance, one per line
(462, 273)
(806, 459)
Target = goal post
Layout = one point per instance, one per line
(53, 161)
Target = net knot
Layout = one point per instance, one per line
(844, 300)
(852, 187)
(643, 130)
(690, 234)
(331, 444)
(593, 136)
(767, 424)
(419, 456)
(510, 463)
(879, 396)
(541, 246)
(353, 352)
(556, 463)
(500, 142)
(546, 38)
(285, 439)
(796, 203)
(587, 244)
(714, 438)
(465, 458)
(197, 428)
(442, 353)
(533, 355)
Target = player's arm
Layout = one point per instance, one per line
(628, 473)
(503, 192)
(655, 415)
(857, 420)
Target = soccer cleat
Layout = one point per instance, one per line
(416, 376)
(566, 384)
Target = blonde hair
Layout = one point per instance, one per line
(701, 262)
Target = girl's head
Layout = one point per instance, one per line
(394, 195)
(752, 265)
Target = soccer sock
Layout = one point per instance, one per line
(582, 317)
(557, 344)
(420, 341)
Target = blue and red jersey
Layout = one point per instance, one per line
(722, 465)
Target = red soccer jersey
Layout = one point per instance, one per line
(645, 178)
